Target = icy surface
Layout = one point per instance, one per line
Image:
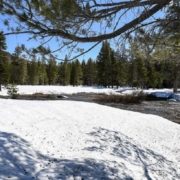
(77, 140)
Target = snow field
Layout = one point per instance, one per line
(75, 140)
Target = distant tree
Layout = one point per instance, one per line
(33, 74)
(52, 71)
(123, 70)
(84, 74)
(138, 59)
(76, 73)
(114, 70)
(90, 72)
(18, 67)
(104, 65)
(4, 64)
(43, 79)
(22, 71)
(64, 72)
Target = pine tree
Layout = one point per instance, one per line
(22, 71)
(84, 74)
(64, 72)
(4, 64)
(90, 72)
(118, 66)
(33, 74)
(104, 64)
(152, 76)
(4, 69)
(171, 38)
(142, 72)
(43, 79)
(52, 71)
(76, 73)
(114, 70)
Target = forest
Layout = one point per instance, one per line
(146, 57)
(134, 66)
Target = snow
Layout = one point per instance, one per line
(78, 140)
(28, 89)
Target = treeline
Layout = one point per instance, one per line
(110, 69)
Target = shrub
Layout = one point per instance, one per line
(42, 96)
(12, 91)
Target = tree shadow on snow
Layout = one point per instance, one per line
(117, 144)
(18, 160)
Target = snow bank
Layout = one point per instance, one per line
(75, 140)
(28, 89)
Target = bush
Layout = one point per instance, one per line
(42, 96)
(134, 98)
(12, 91)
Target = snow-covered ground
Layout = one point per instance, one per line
(28, 89)
(59, 90)
(69, 140)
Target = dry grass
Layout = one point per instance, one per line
(134, 98)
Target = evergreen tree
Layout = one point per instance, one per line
(52, 71)
(22, 71)
(104, 65)
(18, 68)
(153, 78)
(4, 64)
(64, 72)
(33, 74)
(114, 70)
(90, 72)
(171, 33)
(43, 79)
(120, 69)
(84, 75)
(76, 73)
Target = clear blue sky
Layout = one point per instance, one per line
(14, 40)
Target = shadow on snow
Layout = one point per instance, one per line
(123, 147)
(19, 160)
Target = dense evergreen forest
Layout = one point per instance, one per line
(129, 68)
(150, 58)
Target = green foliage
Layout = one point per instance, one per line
(104, 65)
(4, 69)
(64, 72)
(33, 73)
(2, 42)
(89, 72)
(42, 73)
(76, 73)
(52, 71)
